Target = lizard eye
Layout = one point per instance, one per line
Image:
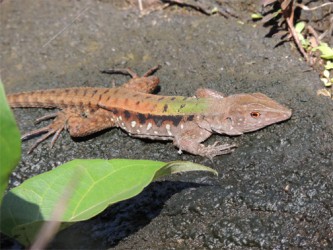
(255, 114)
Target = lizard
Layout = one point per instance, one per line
(187, 121)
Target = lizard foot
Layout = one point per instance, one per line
(130, 72)
(213, 150)
(55, 128)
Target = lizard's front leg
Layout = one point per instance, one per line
(77, 123)
(191, 139)
(206, 93)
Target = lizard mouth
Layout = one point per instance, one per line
(288, 113)
(277, 115)
(282, 115)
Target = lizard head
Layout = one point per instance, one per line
(250, 112)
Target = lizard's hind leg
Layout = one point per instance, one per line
(152, 71)
(144, 84)
(79, 123)
(130, 72)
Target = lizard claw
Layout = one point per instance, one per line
(55, 128)
(152, 70)
(49, 130)
(129, 71)
(126, 71)
(45, 117)
(215, 149)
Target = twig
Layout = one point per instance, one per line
(304, 7)
(140, 5)
(328, 31)
(200, 8)
(288, 13)
(66, 27)
(314, 33)
(193, 6)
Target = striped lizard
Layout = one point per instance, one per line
(187, 121)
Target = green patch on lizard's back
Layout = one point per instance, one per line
(179, 105)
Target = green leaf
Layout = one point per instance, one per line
(299, 27)
(329, 65)
(326, 73)
(214, 10)
(86, 186)
(256, 16)
(326, 51)
(181, 166)
(10, 142)
(327, 82)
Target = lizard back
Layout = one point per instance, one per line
(133, 101)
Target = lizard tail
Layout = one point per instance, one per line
(55, 98)
(31, 99)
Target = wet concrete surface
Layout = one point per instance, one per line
(274, 191)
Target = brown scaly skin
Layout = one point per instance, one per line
(187, 121)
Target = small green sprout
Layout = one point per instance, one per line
(326, 78)
(299, 27)
(327, 54)
(329, 65)
(326, 51)
(256, 16)
(214, 10)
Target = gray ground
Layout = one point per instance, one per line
(274, 191)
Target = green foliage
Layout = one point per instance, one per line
(329, 65)
(84, 187)
(10, 142)
(256, 16)
(214, 10)
(327, 54)
(325, 50)
(299, 27)
(326, 78)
